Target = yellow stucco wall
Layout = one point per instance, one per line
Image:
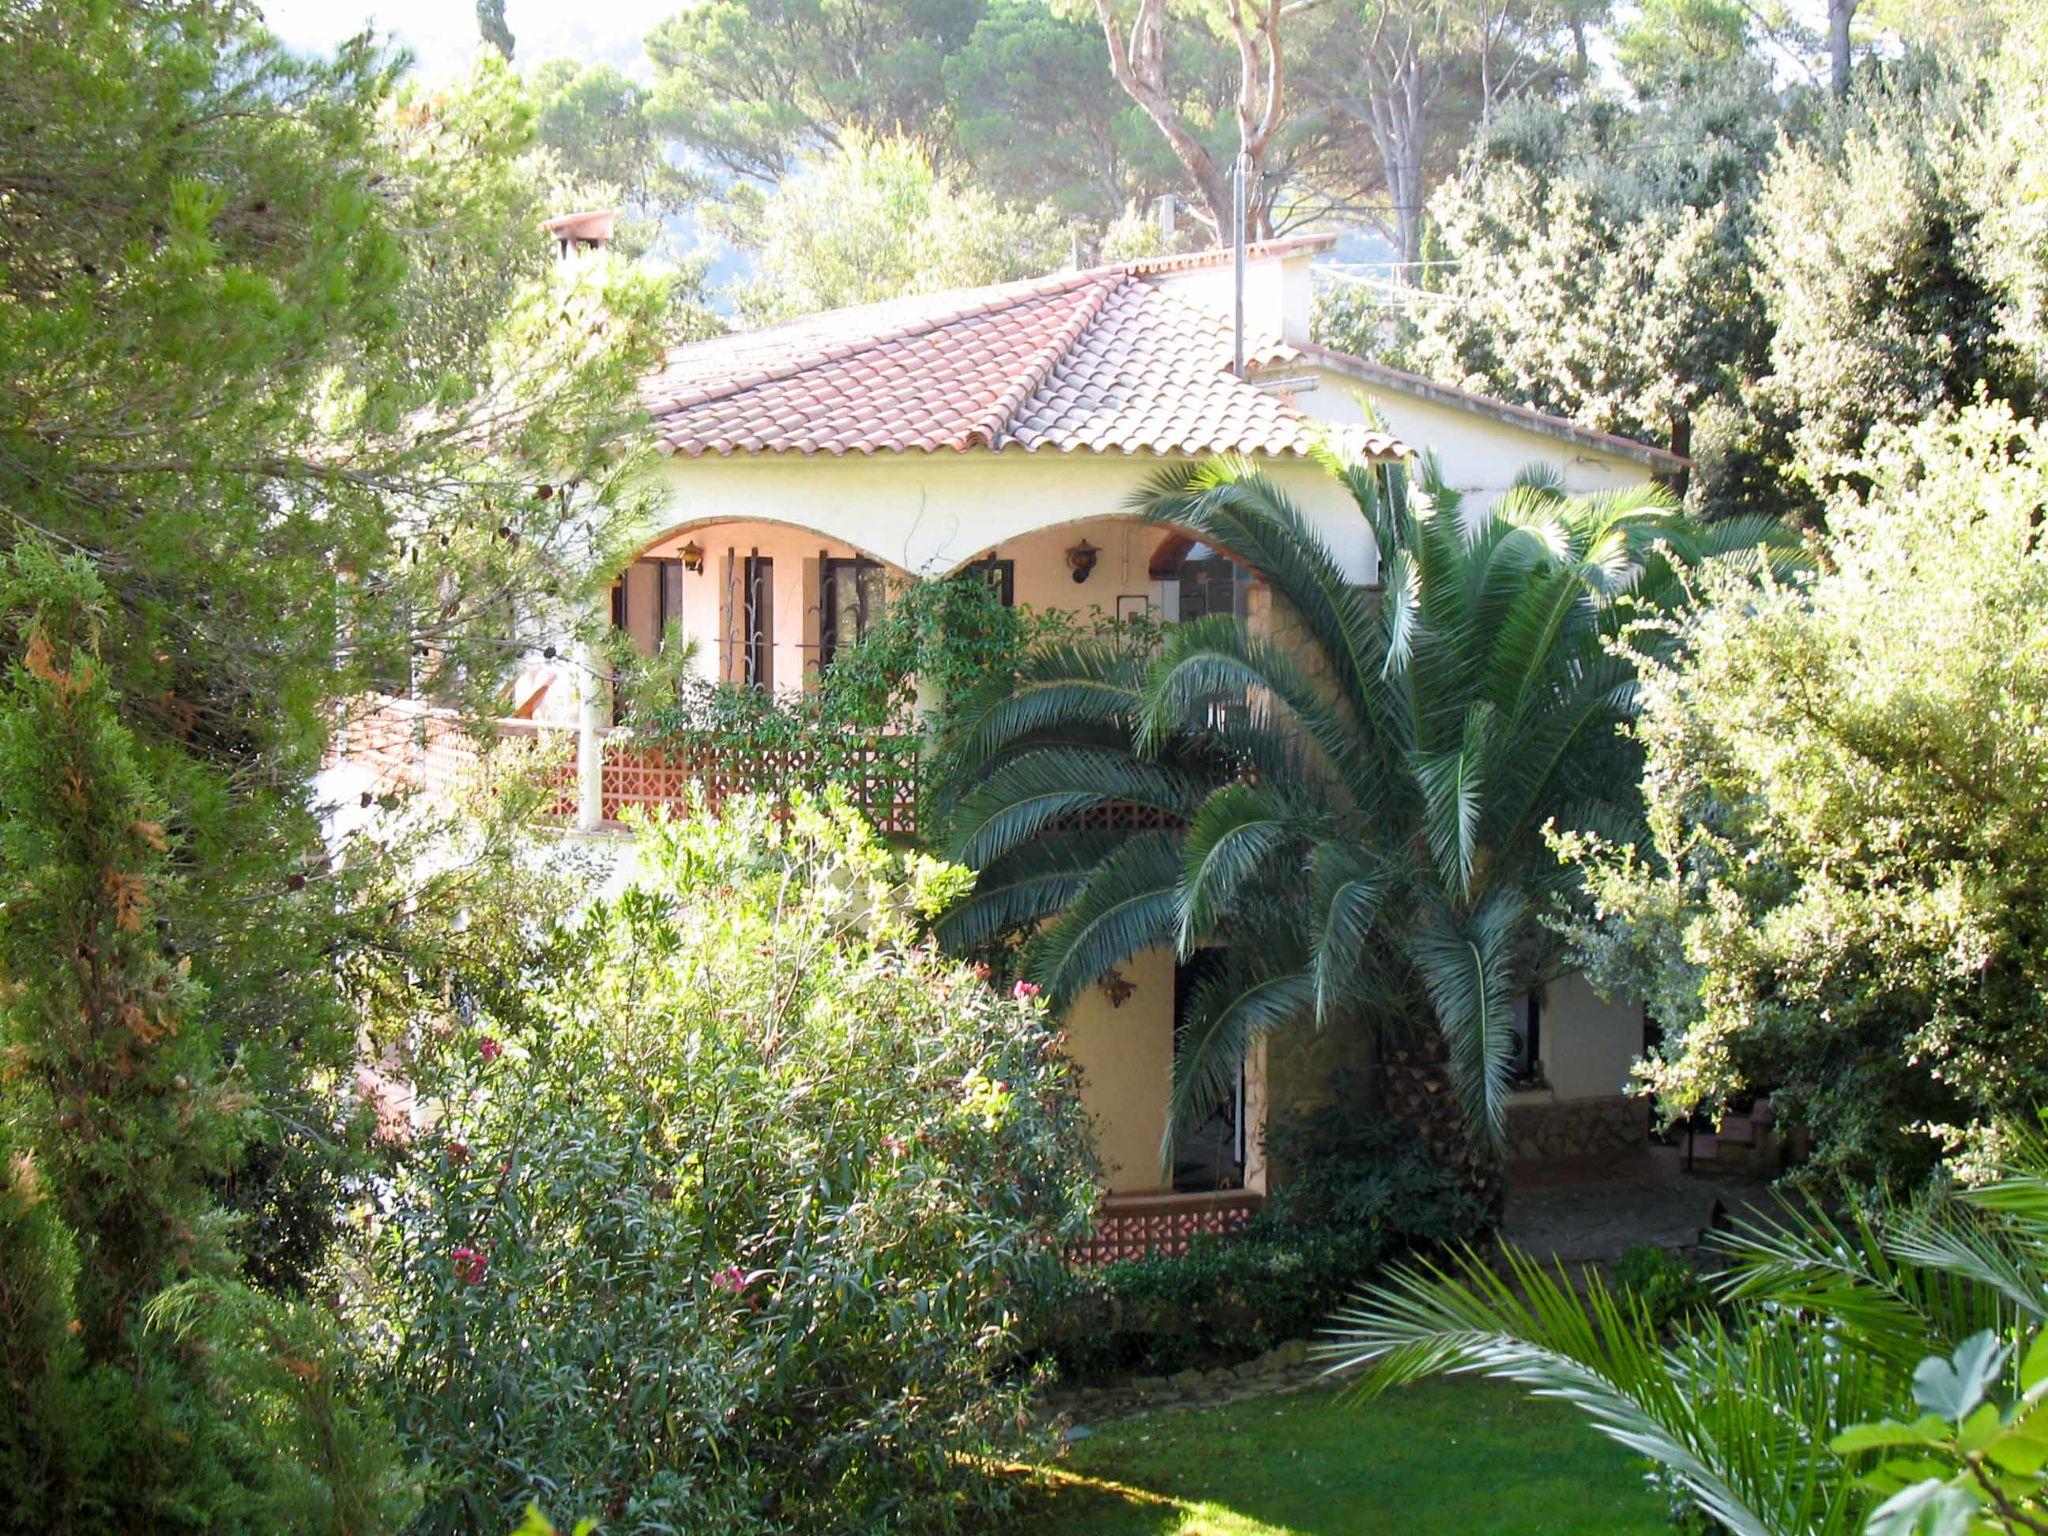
(1126, 1060)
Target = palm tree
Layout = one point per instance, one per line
(1356, 811)
(1763, 1414)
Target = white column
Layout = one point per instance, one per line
(591, 681)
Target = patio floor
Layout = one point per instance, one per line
(1590, 1213)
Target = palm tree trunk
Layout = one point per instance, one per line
(1420, 1095)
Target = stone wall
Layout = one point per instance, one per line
(1544, 1132)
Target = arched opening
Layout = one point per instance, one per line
(762, 602)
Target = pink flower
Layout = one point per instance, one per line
(489, 1048)
(896, 1144)
(732, 1278)
(470, 1265)
(458, 1151)
(1024, 990)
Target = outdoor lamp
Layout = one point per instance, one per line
(693, 558)
(1081, 560)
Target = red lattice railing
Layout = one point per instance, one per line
(408, 745)
(881, 778)
(1132, 1226)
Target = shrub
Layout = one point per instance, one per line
(1348, 1168)
(733, 1228)
(1356, 1192)
(143, 1386)
(1222, 1301)
(1670, 1288)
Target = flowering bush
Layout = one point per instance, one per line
(735, 1227)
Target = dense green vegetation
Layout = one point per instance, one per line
(374, 1183)
(1843, 782)
(733, 1212)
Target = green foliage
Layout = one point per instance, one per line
(1844, 898)
(1872, 266)
(1665, 1285)
(751, 85)
(1672, 41)
(871, 219)
(1354, 812)
(1037, 115)
(597, 123)
(1355, 1192)
(734, 1226)
(1774, 1415)
(1342, 1168)
(284, 360)
(1966, 1465)
(1222, 1301)
(147, 1386)
(1597, 261)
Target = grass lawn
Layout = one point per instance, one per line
(1443, 1457)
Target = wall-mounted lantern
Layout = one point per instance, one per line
(1081, 560)
(693, 558)
(1118, 988)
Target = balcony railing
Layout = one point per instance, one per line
(408, 745)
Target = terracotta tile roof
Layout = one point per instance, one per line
(1103, 361)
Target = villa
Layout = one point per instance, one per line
(1002, 430)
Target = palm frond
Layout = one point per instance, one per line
(1132, 903)
(1726, 1415)
(1465, 963)
(1453, 788)
(1225, 1014)
(1349, 886)
(1031, 791)
(1235, 835)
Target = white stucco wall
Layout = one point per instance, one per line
(931, 513)
(1479, 454)
(1588, 1043)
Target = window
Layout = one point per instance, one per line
(671, 590)
(1210, 583)
(1001, 575)
(759, 633)
(1525, 1055)
(855, 593)
(1211, 1156)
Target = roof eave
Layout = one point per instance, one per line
(1661, 460)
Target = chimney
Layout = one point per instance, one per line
(578, 232)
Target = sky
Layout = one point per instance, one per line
(443, 33)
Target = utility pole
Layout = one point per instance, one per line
(1237, 257)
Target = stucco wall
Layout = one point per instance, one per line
(1588, 1043)
(931, 513)
(1126, 1060)
(1480, 455)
